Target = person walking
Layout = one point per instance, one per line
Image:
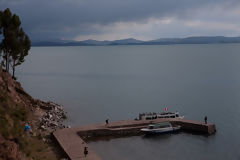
(205, 119)
(85, 151)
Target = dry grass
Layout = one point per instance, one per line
(12, 120)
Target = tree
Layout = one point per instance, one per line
(15, 43)
(20, 50)
(1, 14)
(8, 34)
(1, 21)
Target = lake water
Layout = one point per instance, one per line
(118, 82)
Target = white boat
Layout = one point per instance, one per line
(149, 116)
(164, 127)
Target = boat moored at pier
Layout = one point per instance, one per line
(150, 116)
(164, 127)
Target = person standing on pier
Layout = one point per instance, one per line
(205, 119)
(85, 151)
(107, 121)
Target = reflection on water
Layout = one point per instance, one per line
(173, 146)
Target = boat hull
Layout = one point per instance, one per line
(161, 131)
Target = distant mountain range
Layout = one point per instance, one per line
(132, 41)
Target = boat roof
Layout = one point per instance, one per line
(162, 113)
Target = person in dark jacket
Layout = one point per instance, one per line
(205, 119)
(85, 151)
(107, 121)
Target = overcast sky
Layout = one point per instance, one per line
(118, 19)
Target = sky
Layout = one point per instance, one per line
(120, 19)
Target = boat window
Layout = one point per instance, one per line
(177, 115)
(164, 126)
(150, 127)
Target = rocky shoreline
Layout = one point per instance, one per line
(48, 116)
(53, 118)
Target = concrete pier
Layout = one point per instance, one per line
(72, 139)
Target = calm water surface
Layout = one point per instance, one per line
(118, 82)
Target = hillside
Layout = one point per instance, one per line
(131, 41)
(18, 108)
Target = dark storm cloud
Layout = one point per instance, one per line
(53, 19)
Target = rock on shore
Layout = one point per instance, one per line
(53, 117)
(49, 114)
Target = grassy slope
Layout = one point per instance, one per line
(12, 119)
